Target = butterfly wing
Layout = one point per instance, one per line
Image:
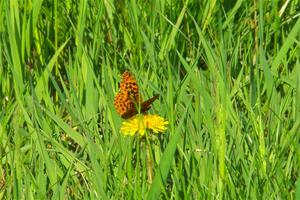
(130, 87)
(128, 101)
(133, 110)
(146, 105)
(123, 103)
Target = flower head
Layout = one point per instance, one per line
(140, 123)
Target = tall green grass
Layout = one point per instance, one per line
(228, 76)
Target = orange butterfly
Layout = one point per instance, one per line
(128, 100)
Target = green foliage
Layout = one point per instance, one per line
(228, 76)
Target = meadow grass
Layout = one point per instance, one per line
(228, 77)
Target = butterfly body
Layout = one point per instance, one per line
(128, 101)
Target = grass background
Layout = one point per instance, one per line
(228, 76)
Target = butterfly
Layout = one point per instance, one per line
(128, 101)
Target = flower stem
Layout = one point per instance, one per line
(149, 165)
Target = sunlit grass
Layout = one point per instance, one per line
(228, 79)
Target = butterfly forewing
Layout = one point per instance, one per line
(146, 105)
(129, 85)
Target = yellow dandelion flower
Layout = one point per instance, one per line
(140, 123)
